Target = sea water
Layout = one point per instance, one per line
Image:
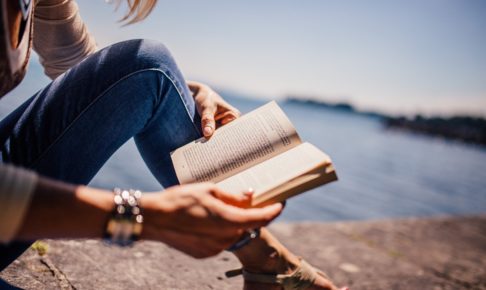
(382, 173)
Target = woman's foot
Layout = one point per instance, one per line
(266, 255)
(311, 279)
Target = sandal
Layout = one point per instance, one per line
(302, 278)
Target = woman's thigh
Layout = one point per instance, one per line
(131, 89)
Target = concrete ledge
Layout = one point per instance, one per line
(438, 253)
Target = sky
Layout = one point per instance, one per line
(404, 56)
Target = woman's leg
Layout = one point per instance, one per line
(75, 124)
(70, 128)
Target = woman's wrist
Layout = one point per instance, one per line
(94, 206)
(61, 210)
(155, 212)
(97, 198)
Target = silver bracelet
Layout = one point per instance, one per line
(125, 223)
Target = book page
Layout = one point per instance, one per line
(312, 179)
(277, 171)
(245, 142)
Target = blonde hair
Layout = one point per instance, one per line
(138, 10)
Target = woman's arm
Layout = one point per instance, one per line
(60, 210)
(198, 219)
(16, 187)
(60, 36)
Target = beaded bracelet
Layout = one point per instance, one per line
(125, 223)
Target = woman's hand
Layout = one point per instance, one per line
(214, 111)
(200, 219)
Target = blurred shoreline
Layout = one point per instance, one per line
(465, 128)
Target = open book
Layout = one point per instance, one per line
(260, 150)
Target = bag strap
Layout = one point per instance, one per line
(16, 26)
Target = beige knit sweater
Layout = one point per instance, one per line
(61, 40)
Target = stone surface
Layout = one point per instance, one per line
(438, 253)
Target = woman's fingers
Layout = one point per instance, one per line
(225, 107)
(248, 218)
(212, 108)
(234, 209)
(207, 120)
(242, 200)
(227, 120)
(222, 115)
(226, 117)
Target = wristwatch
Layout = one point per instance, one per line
(124, 226)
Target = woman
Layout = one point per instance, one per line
(95, 103)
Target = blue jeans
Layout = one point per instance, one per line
(69, 129)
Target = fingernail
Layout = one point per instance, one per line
(247, 195)
(208, 130)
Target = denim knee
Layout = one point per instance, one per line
(149, 54)
(156, 54)
(143, 54)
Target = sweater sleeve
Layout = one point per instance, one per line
(16, 188)
(60, 36)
